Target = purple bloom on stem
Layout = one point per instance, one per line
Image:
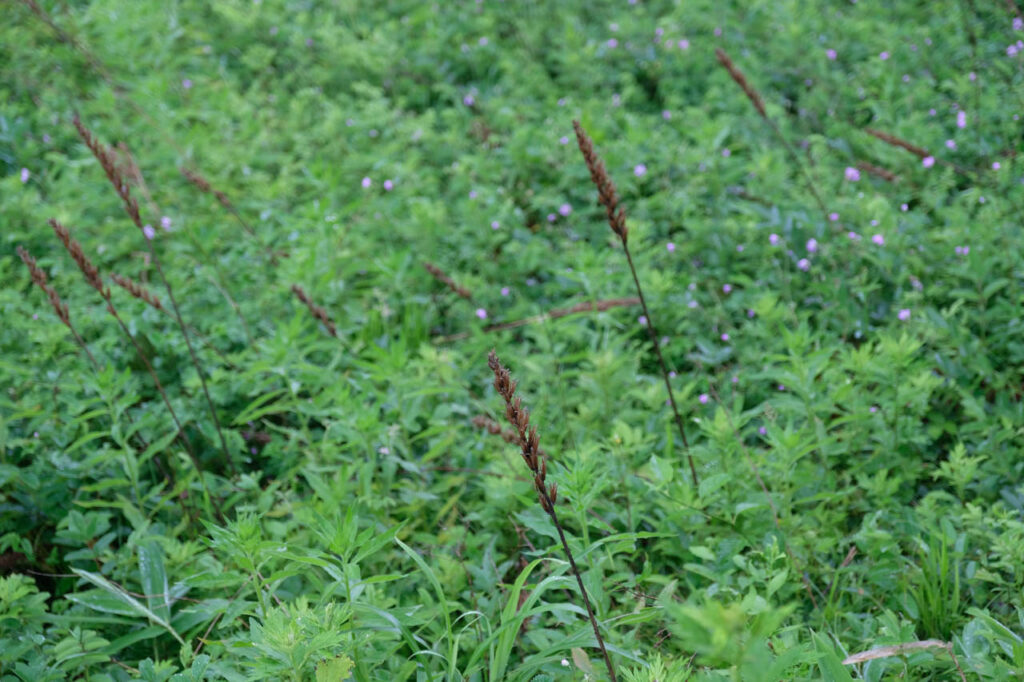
(725, 337)
(666, 114)
(187, 84)
(388, 185)
(148, 231)
(883, 55)
(852, 174)
(684, 44)
(804, 264)
(469, 100)
(928, 161)
(642, 320)
(481, 313)
(950, 144)
(904, 207)
(639, 170)
(812, 245)
(672, 374)
(878, 239)
(763, 431)
(961, 119)
(25, 175)
(853, 236)
(612, 43)
(565, 209)
(726, 288)
(727, 152)
(833, 217)
(1018, 24)
(995, 165)
(904, 314)
(751, 313)
(773, 239)
(782, 387)
(703, 398)
(670, 246)
(165, 222)
(564, 139)
(495, 224)
(472, 194)
(504, 291)
(873, 409)
(739, 248)
(552, 217)
(367, 182)
(831, 54)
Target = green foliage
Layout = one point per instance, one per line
(849, 379)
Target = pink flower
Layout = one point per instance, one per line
(388, 185)
(928, 161)
(833, 217)
(883, 55)
(995, 165)
(804, 264)
(950, 144)
(639, 170)
(565, 209)
(25, 175)
(853, 236)
(904, 207)
(812, 245)
(670, 246)
(831, 54)
(504, 291)
(852, 174)
(367, 182)
(727, 288)
(725, 337)
(762, 430)
(961, 119)
(773, 239)
(878, 239)
(703, 398)
(904, 314)
(481, 313)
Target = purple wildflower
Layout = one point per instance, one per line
(165, 222)
(671, 246)
(388, 185)
(639, 170)
(726, 288)
(469, 100)
(495, 224)
(831, 54)
(961, 119)
(833, 217)
(903, 314)
(481, 313)
(928, 161)
(565, 209)
(852, 174)
(148, 231)
(804, 264)
(883, 55)
(25, 175)
(703, 398)
(773, 239)
(812, 245)
(878, 239)
(504, 291)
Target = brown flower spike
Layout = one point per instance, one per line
(606, 193)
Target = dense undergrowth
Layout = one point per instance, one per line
(848, 372)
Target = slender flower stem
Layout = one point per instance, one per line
(536, 462)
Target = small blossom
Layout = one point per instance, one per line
(481, 313)
(904, 207)
(804, 264)
(773, 239)
(367, 182)
(504, 291)
(961, 119)
(873, 409)
(812, 245)
(148, 231)
(388, 185)
(762, 430)
(639, 170)
(703, 398)
(187, 84)
(495, 224)
(671, 246)
(25, 175)
(739, 248)
(469, 100)
(165, 222)
(612, 43)
(718, 31)
(833, 217)
(564, 139)
(972, 76)
(928, 161)
(995, 165)
(472, 194)
(1018, 24)
(874, 223)
(750, 313)
(906, 78)
(565, 209)
(1011, 50)
(782, 387)
(666, 114)
(831, 54)
(878, 239)
(904, 314)
(692, 304)
(725, 336)
(726, 288)
(735, 379)
(883, 55)
(726, 152)
(852, 174)
(853, 236)
(642, 320)
(684, 44)
(672, 374)
(950, 144)
(552, 217)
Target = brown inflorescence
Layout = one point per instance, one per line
(734, 72)
(606, 193)
(878, 171)
(204, 185)
(897, 142)
(39, 279)
(318, 312)
(91, 272)
(442, 277)
(108, 161)
(138, 291)
(494, 428)
(525, 435)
